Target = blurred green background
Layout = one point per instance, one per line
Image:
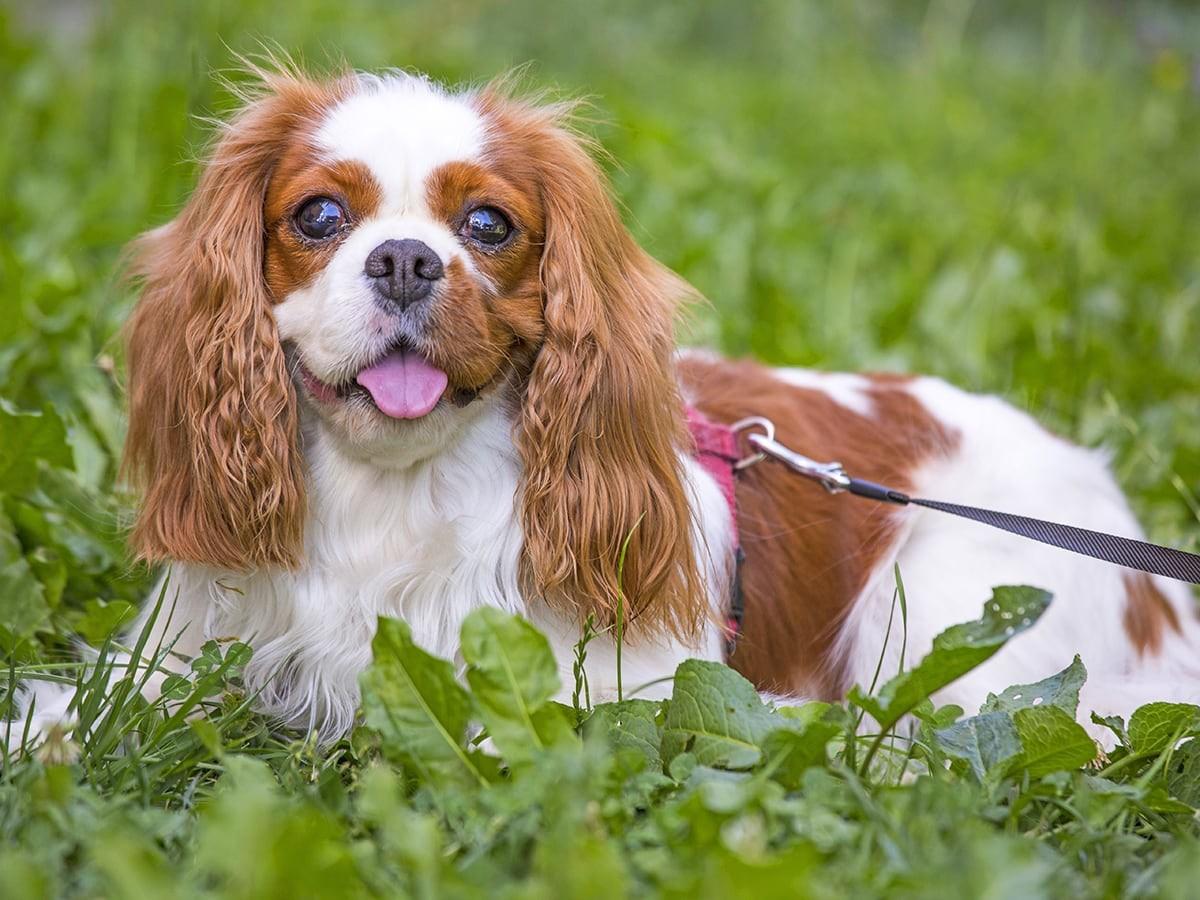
(1004, 194)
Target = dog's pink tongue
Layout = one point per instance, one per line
(403, 384)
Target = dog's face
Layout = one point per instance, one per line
(392, 257)
(403, 245)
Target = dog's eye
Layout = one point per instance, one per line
(320, 218)
(486, 226)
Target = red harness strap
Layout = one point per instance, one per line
(717, 452)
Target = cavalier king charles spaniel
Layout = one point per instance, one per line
(399, 356)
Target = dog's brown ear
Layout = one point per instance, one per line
(604, 507)
(212, 440)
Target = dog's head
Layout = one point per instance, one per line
(390, 257)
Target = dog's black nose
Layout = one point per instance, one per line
(403, 272)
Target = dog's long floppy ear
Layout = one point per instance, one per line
(605, 511)
(212, 439)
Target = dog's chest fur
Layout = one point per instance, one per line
(426, 544)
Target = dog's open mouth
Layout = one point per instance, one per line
(401, 384)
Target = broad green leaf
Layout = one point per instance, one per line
(1155, 726)
(722, 791)
(789, 754)
(414, 701)
(132, 866)
(513, 675)
(1183, 773)
(25, 438)
(50, 569)
(985, 742)
(1115, 724)
(716, 715)
(1157, 799)
(101, 619)
(744, 871)
(1051, 741)
(82, 526)
(681, 767)
(104, 412)
(1181, 871)
(631, 724)
(23, 605)
(956, 651)
(90, 462)
(21, 875)
(511, 665)
(1061, 690)
(802, 715)
(10, 545)
(937, 716)
(1098, 800)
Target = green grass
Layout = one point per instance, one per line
(1008, 196)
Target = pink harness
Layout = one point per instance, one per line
(717, 452)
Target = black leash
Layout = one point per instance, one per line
(1127, 552)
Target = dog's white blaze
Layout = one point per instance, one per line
(402, 128)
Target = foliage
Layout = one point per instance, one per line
(1005, 195)
(448, 790)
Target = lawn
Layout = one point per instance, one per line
(1006, 195)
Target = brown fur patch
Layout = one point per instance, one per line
(212, 439)
(1147, 613)
(487, 327)
(292, 261)
(605, 517)
(455, 189)
(809, 553)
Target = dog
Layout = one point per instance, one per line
(398, 355)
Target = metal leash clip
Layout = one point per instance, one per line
(1128, 552)
(830, 475)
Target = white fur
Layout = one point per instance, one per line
(1006, 461)
(41, 705)
(402, 127)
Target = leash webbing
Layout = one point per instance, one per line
(1128, 552)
